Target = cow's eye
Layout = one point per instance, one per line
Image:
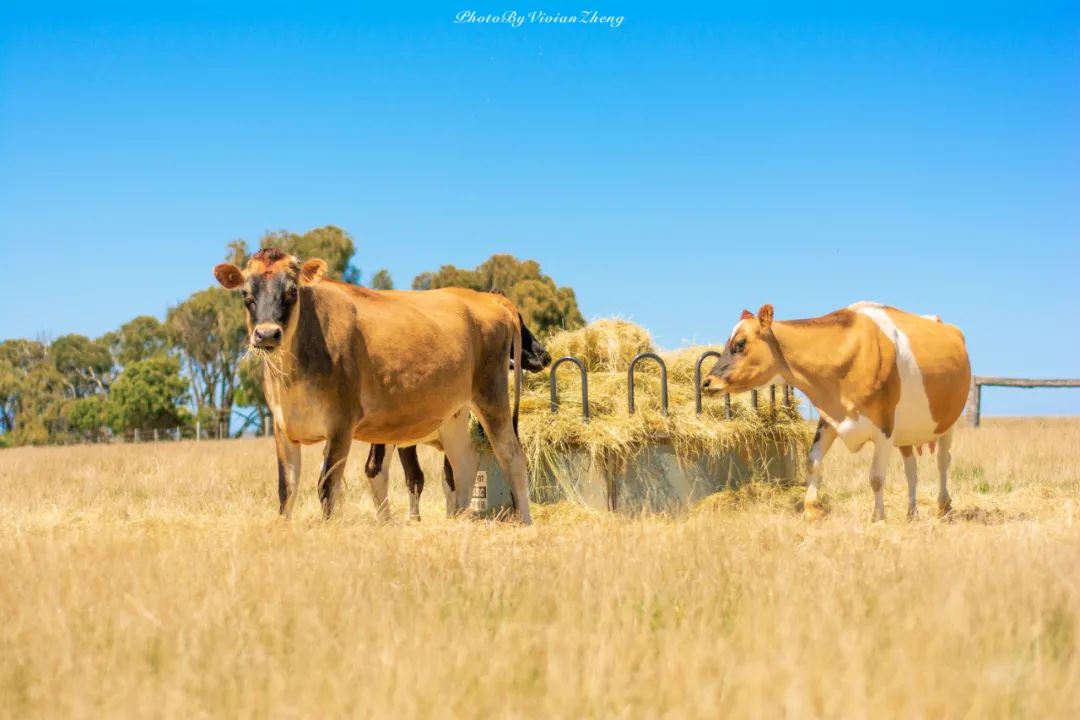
(290, 294)
(739, 346)
(249, 301)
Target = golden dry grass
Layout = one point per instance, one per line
(156, 581)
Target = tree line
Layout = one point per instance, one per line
(191, 367)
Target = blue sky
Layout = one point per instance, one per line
(673, 170)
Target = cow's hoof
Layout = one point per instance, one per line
(814, 511)
(944, 507)
(912, 513)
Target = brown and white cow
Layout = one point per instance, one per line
(875, 373)
(344, 362)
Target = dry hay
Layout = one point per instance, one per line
(612, 435)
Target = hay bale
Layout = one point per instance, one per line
(606, 345)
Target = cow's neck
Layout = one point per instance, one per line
(812, 359)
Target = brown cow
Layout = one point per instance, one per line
(534, 358)
(344, 362)
(875, 373)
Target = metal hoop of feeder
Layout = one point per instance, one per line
(697, 385)
(663, 381)
(584, 384)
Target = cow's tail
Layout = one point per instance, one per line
(518, 322)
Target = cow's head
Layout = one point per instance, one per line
(749, 359)
(534, 356)
(270, 285)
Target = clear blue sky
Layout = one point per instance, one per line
(673, 170)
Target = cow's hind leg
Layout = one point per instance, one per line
(288, 457)
(495, 418)
(414, 479)
(463, 460)
(911, 471)
(877, 477)
(377, 470)
(448, 486)
(335, 454)
(944, 458)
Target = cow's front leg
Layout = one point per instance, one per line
(335, 454)
(288, 458)
(823, 440)
(414, 479)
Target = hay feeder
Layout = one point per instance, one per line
(655, 472)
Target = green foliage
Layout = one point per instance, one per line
(545, 306)
(329, 242)
(17, 357)
(41, 406)
(85, 364)
(210, 331)
(88, 415)
(382, 280)
(138, 339)
(149, 394)
(249, 393)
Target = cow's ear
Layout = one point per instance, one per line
(764, 316)
(312, 271)
(746, 315)
(229, 276)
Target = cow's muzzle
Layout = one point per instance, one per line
(712, 383)
(715, 381)
(266, 336)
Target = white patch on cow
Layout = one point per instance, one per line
(856, 431)
(735, 330)
(912, 422)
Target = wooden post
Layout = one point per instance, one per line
(978, 404)
(974, 401)
(136, 436)
(155, 435)
(198, 430)
(266, 427)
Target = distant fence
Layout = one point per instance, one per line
(974, 410)
(196, 431)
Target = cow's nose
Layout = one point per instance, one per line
(707, 383)
(267, 336)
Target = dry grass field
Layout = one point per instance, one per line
(156, 581)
